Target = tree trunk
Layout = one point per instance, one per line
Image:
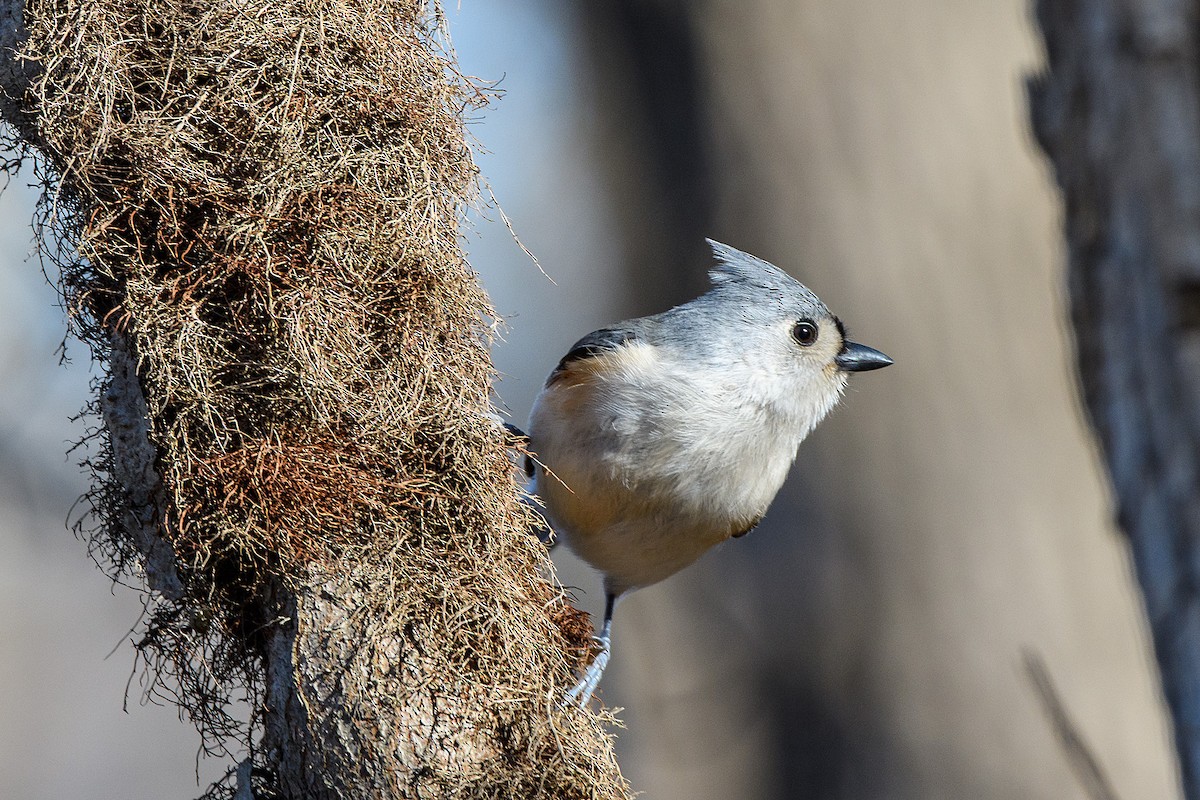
(255, 206)
(1117, 114)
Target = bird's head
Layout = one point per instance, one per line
(792, 351)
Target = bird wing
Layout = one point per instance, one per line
(596, 343)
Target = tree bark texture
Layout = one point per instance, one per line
(1116, 112)
(255, 207)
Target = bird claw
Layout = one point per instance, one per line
(581, 692)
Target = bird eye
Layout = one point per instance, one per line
(805, 332)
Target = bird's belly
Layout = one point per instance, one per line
(640, 487)
(639, 552)
(638, 535)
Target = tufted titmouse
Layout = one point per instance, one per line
(659, 437)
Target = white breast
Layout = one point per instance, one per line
(652, 463)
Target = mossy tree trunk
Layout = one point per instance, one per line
(255, 209)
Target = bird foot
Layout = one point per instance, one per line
(581, 692)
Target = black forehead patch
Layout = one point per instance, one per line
(840, 326)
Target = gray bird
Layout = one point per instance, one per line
(659, 437)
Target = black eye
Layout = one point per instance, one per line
(805, 332)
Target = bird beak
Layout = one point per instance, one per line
(857, 357)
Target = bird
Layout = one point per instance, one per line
(657, 438)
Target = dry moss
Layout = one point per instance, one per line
(260, 201)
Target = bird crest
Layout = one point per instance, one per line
(737, 268)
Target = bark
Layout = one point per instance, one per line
(1116, 112)
(123, 407)
(15, 74)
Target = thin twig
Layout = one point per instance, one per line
(1083, 762)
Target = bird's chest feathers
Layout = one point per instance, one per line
(631, 433)
(703, 441)
(743, 456)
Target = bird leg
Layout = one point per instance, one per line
(581, 693)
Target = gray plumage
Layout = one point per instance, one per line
(662, 436)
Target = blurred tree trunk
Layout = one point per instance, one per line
(867, 641)
(652, 139)
(258, 210)
(1116, 111)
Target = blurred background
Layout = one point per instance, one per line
(867, 640)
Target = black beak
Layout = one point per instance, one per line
(857, 357)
